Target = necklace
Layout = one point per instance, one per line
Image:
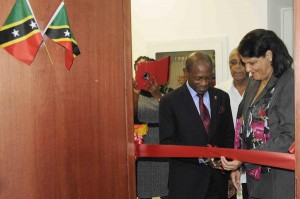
(263, 84)
(260, 89)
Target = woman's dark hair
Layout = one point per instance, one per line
(257, 42)
(140, 58)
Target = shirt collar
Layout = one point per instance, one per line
(193, 92)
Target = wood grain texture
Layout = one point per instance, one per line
(64, 134)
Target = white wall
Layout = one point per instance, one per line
(281, 21)
(175, 22)
(274, 13)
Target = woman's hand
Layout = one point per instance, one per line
(231, 189)
(136, 93)
(135, 89)
(236, 179)
(153, 88)
(230, 165)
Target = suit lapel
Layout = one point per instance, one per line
(253, 86)
(190, 106)
(214, 112)
(272, 82)
(189, 102)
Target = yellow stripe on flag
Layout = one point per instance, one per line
(65, 39)
(73, 40)
(16, 23)
(62, 39)
(59, 27)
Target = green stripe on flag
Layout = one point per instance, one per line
(4, 27)
(18, 13)
(61, 18)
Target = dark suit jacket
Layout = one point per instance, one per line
(180, 124)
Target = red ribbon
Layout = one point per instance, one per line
(273, 159)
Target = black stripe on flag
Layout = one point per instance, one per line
(57, 33)
(76, 50)
(60, 34)
(24, 29)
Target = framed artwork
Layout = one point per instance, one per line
(215, 47)
(178, 58)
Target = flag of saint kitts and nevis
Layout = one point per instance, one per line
(58, 29)
(20, 34)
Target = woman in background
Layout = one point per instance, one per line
(152, 173)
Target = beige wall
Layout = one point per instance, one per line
(175, 25)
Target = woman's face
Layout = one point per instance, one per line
(260, 68)
(140, 61)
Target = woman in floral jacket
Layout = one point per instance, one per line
(265, 119)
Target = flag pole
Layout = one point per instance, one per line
(57, 10)
(48, 53)
(27, 1)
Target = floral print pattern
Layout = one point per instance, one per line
(254, 131)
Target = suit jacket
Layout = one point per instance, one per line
(180, 124)
(278, 183)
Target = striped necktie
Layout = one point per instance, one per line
(204, 113)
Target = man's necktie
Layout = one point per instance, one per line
(204, 113)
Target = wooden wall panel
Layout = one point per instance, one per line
(63, 134)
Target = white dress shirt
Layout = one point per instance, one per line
(195, 97)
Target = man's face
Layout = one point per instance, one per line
(200, 76)
(237, 70)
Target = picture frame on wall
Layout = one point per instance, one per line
(217, 44)
(178, 58)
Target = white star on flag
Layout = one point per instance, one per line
(67, 33)
(15, 33)
(33, 25)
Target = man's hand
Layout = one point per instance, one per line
(230, 165)
(214, 163)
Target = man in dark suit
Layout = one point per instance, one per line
(181, 123)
